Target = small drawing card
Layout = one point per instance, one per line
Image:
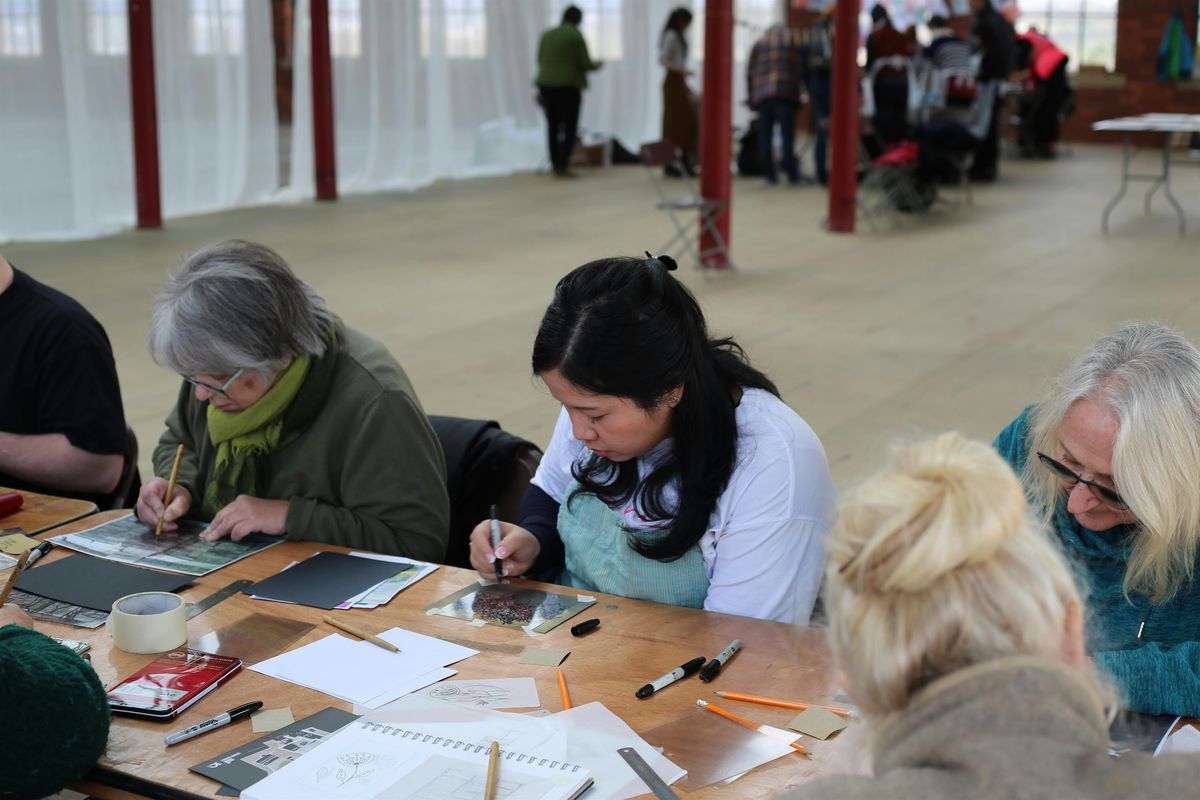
(511, 605)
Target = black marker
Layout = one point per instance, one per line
(713, 667)
(37, 553)
(496, 544)
(690, 668)
(585, 627)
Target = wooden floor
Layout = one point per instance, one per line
(951, 321)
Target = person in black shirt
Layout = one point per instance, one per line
(62, 429)
(994, 38)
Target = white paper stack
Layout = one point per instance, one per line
(363, 673)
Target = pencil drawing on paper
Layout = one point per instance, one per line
(477, 694)
(444, 779)
(352, 767)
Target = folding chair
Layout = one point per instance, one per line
(656, 157)
(889, 184)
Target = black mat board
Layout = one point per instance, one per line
(93, 582)
(325, 579)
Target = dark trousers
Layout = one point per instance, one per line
(777, 112)
(1053, 92)
(891, 106)
(987, 155)
(561, 104)
(818, 92)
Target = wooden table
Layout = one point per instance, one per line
(44, 511)
(637, 641)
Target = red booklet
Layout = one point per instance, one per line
(170, 683)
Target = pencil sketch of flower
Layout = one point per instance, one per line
(356, 760)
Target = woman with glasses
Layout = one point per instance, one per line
(1111, 459)
(292, 423)
(675, 473)
(956, 627)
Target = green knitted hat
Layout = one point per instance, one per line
(55, 713)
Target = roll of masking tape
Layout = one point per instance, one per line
(148, 622)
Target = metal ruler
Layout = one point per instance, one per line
(648, 776)
(216, 597)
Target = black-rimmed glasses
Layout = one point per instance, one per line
(1106, 494)
(221, 390)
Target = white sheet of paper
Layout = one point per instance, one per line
(403, 689)
(593, 734)
(1184, 740)
(358, 671)
(494, 693)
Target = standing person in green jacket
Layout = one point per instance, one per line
(563, 65)
(1111, 459)
(54, 711)
(292, 423)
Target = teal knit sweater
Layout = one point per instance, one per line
(1157, 674)
(54, 711)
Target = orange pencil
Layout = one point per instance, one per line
(707, 706)
(770, 701)
(562, 688)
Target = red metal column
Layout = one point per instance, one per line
(716, 120)
(322, 89)
(144, 109)
(843, 122)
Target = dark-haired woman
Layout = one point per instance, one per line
(680, 104)
(675, 473)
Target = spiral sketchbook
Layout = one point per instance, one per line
(376, 760)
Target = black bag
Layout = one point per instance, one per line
(747, 159)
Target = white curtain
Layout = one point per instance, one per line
(66, 159)
(66, 143)
(428, 89)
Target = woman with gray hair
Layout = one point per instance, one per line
(292, 423)
(1111, 459)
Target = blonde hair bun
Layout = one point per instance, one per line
(926, 516)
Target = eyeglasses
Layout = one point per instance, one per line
(221, 390)
(1106, 494)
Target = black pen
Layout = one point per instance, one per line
(211, 724)
(690, 668)
(713, 667)
(37, 553)
(496, 543)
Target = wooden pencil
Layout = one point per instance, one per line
(170, 492)
(493, 773)
(360, 633)
(12, 578)
(770, 701)
(707, 706)
(562, 689)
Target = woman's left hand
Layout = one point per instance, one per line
(247, 515)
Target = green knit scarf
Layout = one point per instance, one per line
(242, 436)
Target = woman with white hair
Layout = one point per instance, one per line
(956, 625)
(292, 423)
(1111, 460)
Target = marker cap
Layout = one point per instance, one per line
(585, 627)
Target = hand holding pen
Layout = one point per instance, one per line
(517, 550)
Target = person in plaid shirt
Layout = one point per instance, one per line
(776, 75)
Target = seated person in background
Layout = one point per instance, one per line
(675, 473)
(1111, 460)
(957, 628)
(62, 430)
(54, 709)
(292, 423)
(946, 50)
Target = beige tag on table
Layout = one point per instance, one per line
(271, 719)
(818, 723)
(17, 543)
(544, 658)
